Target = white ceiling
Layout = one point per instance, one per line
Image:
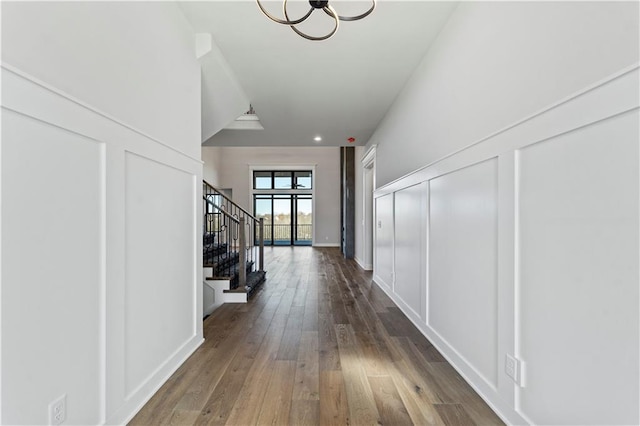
(338, 88)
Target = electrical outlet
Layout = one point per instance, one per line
(58, 411)
(514, 369)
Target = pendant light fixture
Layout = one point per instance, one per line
(315, 5)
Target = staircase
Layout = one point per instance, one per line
(233, 250)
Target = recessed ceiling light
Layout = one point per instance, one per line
(317, 139)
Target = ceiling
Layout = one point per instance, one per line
(300, 89)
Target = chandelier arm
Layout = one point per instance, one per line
(333, 14)
(282, 21)
(354, 18)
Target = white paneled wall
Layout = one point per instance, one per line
(50, 266)
(383, 248)
(578, 257)
(101, 284)
(409, 284)
(463, 261)
(159, 220)
(526, 244)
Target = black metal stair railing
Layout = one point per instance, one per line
(232, 237)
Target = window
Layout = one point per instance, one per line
(302, 180)
(262, 180)
(282, 180)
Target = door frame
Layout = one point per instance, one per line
(368, 215)
(286, 168)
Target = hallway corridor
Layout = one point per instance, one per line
(318, 344)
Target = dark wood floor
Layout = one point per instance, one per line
(318, 344)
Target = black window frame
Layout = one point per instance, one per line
(291, 173)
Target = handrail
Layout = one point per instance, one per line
(221, 210)
(233, 242)
(229, 200)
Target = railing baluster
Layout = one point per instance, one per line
(261, 244)
(242, 271)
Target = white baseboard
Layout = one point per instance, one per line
(365, 266)
(326, 245)
(132, 406)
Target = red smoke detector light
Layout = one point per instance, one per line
(351, 140)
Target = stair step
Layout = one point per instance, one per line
(254, 279)
(213, 249)
(221, 263)
(235, 277)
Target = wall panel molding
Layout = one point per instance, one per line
(47, 91)
(612, 96)
(596, 119)
(118, 400)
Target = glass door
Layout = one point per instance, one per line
(303, 215)
(288, 219)
(282, 220)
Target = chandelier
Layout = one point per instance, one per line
(315, 4)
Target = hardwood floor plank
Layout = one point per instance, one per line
(390, 406)
(362, 405)
(290, 344)
(452, 383)
(440, 390)
(307, 375)
(334, 409)
(276, 404)
(222, 400)
(420, 409)
(329, 356)
(454, 415)
(481, 414)
(183, 417)
(305, 413)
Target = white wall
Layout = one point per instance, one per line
(212, 159)
(532, 234)
(223, 99)
(101, 293)
(494, 64)
(235, 174)
(114, 59)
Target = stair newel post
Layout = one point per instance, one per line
(261, 249)
(242, 270)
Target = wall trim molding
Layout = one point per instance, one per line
(364, 266)
(131, 407)
(15, 70)
(590, 94)
(369, 155)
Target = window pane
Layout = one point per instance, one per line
(282, 220)
(302, 180)
(263, 209)
(262, 180)
(282, 180)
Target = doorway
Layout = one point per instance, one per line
(287, 218)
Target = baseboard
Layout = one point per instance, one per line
(502, 409)
(326, 245)
(131, 407)
(210, 309)
(365, 266)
